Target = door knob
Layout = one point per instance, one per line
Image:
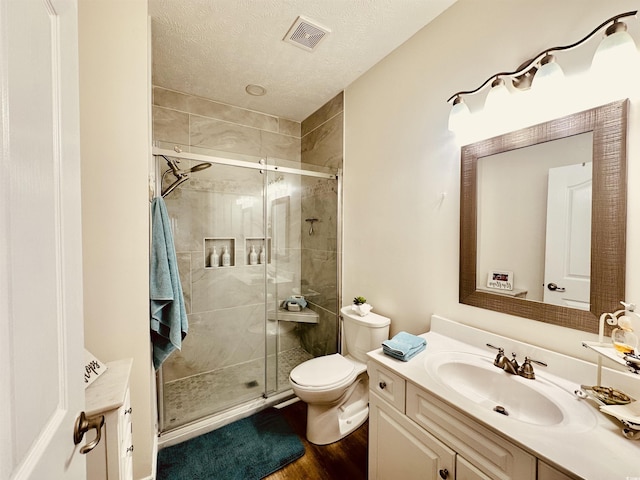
(555, 288)
(83, 425)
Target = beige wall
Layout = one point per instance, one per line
(115, 148)
(400, 237)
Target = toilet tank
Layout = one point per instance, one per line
(363, 334)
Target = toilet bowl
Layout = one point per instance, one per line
(336, 387)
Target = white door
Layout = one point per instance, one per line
(41, 325)
(568, 246)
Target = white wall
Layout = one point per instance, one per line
(401, 238)
(115, 143)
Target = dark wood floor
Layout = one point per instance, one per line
(346, 458)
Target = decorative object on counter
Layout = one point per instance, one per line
(500, 279)
(93, 368)
(623, 338)
(360, 306)
(226, 257)
(629, 415)
(295, 303)
(214, 258)
(605, 395)
(253, 256)
(404, 346)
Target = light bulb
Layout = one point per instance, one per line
(459, 115)
(548, 75)
(617, 50)
(498, 97)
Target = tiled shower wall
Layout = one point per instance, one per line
(225, 305)
(322, 144)
(194, 124)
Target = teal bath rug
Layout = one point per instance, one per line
(248, 449)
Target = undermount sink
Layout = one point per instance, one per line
(537, 402)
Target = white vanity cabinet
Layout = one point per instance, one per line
(413, 435)
(112, 458)
(398, 448)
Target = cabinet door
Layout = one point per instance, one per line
(546, 472)
(489, 451)
(466, 471)
(398, 448)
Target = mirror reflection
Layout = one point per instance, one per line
(534, 221)
(509, 211)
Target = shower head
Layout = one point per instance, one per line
(174, 185)
(200, 166)
(181, 175)
(178, 172)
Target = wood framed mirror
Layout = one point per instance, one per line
(608, 127)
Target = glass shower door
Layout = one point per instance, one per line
(218, 222)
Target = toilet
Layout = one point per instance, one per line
(336, 387)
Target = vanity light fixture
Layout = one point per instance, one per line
(542, 67)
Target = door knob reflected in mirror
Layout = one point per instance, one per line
(555, 288)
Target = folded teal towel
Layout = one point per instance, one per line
(404, 346)
(299, 299)
(169, 323)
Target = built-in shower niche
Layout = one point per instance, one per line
(214, 252)
(257, 243)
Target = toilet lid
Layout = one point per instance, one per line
(321, 371)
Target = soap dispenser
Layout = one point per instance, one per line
(253, 256)
(214, 258)
(226, 258)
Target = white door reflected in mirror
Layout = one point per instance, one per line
(567, 268)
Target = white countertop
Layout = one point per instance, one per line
(108, 391)
(595, 451)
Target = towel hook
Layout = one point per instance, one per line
(311, 220)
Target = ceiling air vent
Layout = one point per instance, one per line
(305, 34)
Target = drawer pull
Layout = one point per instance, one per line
(130, 449)
(444, 473)
(382, 385)
(128, 410)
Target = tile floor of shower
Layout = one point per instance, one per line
(193, 398)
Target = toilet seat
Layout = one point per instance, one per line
(323, 373)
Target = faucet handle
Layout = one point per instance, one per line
(499, 357)
(526, 369)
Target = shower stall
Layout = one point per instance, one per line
(256, 239)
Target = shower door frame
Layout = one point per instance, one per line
(263, 166)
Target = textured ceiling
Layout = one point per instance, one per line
(214, 48)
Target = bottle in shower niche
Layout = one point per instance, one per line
(263, 255)
(214, 258)
(226, 257)
(253, 256)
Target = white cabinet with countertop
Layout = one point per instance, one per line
(108, 395)
(423, 425)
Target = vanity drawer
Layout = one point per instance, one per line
(387, 384)
(492, 454)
